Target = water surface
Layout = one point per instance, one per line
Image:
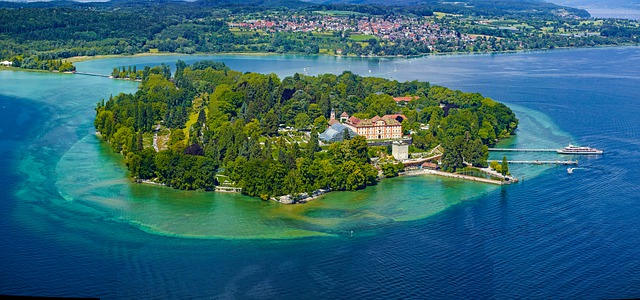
(73, 225)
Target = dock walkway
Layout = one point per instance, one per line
(92, 74)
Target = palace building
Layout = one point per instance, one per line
(377, 128)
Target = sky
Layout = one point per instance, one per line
(629, 9)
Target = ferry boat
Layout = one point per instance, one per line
(571, 149)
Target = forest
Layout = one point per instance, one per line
(33, 33)
(223, 126)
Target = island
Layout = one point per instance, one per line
(207, 127)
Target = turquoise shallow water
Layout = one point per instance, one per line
(73, 225)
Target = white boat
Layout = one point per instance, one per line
(570, 170)
(571, 149)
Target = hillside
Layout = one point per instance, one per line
(477, 7)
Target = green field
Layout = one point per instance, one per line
(238, 31)
(361, 37)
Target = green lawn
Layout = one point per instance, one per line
(238, 31)
(361, 37)
(147, 140)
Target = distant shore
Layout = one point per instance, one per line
(75, 59)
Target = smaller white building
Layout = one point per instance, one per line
(6, 63)
(400, 151)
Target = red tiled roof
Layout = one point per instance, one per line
(429, 165)
(395, 116)
(405, 99)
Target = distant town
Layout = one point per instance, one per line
(299, 28)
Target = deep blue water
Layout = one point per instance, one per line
(551, 236)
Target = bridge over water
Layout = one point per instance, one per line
(92, 74)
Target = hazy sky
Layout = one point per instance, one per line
(629, 9)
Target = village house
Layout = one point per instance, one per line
(404, 100)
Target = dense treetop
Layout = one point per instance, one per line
(220, 121)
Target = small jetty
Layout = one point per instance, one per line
(92, 74)
(228, 189)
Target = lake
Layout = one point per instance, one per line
(74, 225)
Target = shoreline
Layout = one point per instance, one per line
(455, 176)
(5, 68)
(84, 58)
(80, 59)
(76, 59)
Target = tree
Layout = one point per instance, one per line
(391, 170)
(139, 145)
(270, 123)
(346, 135)
(320, 123)
(252, 129)
(505, 166)
(302, 121)
(496, 166)
(359, 150)
(312, 145)
(379, 104)
(452, 158)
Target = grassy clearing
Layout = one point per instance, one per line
(224, 180)
(323, 34)
(147, 140)
(594, 22)
(239, 31)
(361, 37)
(442, 14)
(163, 139)
(198, 103)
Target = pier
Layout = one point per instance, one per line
(92, 74)
(540, 162)
(521, 150)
